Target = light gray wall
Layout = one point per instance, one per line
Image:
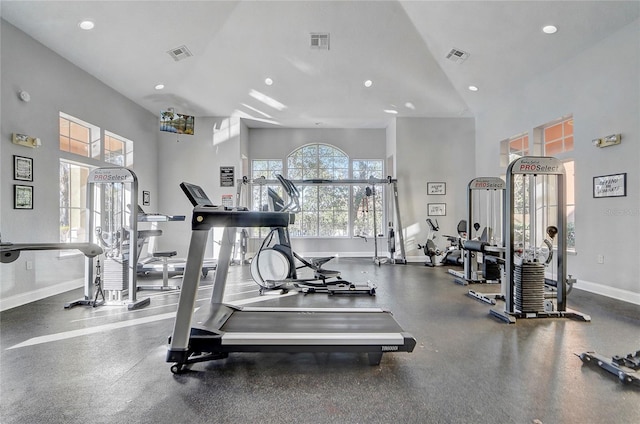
(433, 150)
(601, 89)
(54, 85)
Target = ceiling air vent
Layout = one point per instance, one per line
(320, 40)
(458, 56)
(180, 53)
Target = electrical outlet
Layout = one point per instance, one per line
(600, 259)
(29, 265)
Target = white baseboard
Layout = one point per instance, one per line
(32, 296)
(608, 291)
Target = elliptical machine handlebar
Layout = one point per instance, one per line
(292, 192)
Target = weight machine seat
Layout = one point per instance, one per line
(475, 245)
(166, 254)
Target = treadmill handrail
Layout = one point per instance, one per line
(207, 217)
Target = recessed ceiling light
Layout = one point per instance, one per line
(368, 83)
(391, 111)
(268, 81)
(159, 87)
(473, 88)
(410, 105)
(87, 25)
(549, 29)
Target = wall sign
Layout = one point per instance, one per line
(436, 209)
(614, 185)
(22, 168)
(437, 188)
(22, 197)
(227, 176)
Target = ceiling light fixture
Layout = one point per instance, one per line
(473, 88)
(87, 25)
(410, 105)
(368, 83)
(268, 81)
(391, 111)
(550, 29)
(159, 87)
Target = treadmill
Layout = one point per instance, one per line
(230, 328)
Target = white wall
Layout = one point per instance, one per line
(54, 85)
(433, 150)
(601, 89)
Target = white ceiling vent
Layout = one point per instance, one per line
(180, 53)
(458, 56)
(320, 40)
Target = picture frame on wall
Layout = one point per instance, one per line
(614, 185)
(22, 196)
(437, 188)
(436, 209)
(22, 168)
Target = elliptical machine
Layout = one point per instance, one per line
(274, 265)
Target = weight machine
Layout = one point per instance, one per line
(112, 195)
(483, 255)
(535, 205)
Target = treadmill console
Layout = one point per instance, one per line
(196, 194)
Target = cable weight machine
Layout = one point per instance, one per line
(112, 199)
(534, 205)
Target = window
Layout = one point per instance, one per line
(73, 202)
(325, 208)
(79, 137)
(362, 210)
(83, 140)
(329, 209)
(557, 139)
(117, 150)
(513, 148)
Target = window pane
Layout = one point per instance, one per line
(553, 132)
(79, 148)
(568, 127)
(568, 144)
(79, 132)
(553, 148)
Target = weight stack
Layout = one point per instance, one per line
(529, 287)
(115, 274)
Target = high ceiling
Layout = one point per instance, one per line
(401, 46)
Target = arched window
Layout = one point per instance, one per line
(332, 208)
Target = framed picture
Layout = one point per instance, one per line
(146, 198)
(22, 168)
(614, 185)
(22, 197)
(437, 188)
(436, 209)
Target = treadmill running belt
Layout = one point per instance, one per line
(311, 322)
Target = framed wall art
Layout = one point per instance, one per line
(22, 196)
(614, 185)
(22, 168)
(437, 188)
(436, 209)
